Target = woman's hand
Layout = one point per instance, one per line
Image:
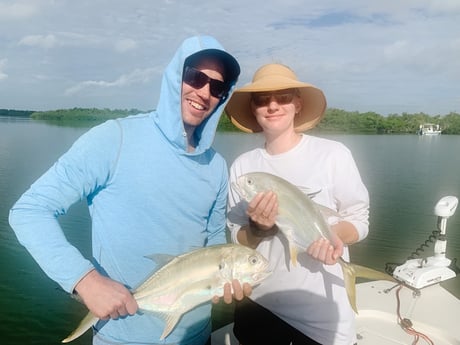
(234, 291)
(325, 251)
(262, 210)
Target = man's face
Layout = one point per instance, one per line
(199, 102)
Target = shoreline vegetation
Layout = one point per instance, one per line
(335, 120)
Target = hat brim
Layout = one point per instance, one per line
(239, 111)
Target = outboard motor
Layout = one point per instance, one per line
(421, 272)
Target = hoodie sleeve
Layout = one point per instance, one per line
(216, 224)
(84, 169)
(236, 208)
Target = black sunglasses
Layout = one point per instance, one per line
(262, 99)
(198, 79)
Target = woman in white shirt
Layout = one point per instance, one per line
(307, 303)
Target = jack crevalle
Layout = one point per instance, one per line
(189, 280)
(301, 222)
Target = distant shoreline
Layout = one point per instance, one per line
(335, 120)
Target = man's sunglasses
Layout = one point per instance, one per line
(262, 99)
(198, 79)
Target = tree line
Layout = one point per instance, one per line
(336, 120)
(17, 113)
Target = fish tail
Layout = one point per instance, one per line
(352, 271)
(88, 321)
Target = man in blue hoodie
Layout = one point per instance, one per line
(153, 184)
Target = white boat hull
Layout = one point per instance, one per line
(433, 313)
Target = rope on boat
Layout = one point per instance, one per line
(406, 324)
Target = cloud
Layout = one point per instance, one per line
(17, 10)
(48, 41)
(445, 6)
(356, 51)
(3, 75)
(125, 45)
(138, 76)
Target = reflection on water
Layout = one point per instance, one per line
(405, 174)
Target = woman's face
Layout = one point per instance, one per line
(276, 110)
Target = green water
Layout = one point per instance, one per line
(405, 174)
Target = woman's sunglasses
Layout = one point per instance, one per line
(262, 99)
(198, 79)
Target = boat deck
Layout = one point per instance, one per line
(433, 314)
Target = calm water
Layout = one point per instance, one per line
(406, 175)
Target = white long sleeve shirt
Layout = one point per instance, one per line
(310, 296)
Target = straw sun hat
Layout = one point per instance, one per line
(274, 77)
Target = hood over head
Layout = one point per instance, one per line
(168, 114)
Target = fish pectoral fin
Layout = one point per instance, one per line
(293, 253)
(171, 322)
(287, 230)
(88, 321)
(200, 287)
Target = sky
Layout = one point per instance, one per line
(388, 57)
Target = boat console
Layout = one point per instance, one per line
(421, 272)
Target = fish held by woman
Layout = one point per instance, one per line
(301, 221)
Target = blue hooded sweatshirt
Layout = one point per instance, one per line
(146, 194)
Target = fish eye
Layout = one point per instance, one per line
(250, 181)
(253, 259)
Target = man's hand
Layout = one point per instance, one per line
(239, 292)
(104, 297)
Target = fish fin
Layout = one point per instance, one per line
(172, 318)
(160, 259)
(88, 321)
(288, 238)
(293, 253)
(371, 274)
(327, 212)
(171, 322)
(352, 271)
(349, 279)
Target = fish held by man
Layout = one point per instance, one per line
(301, 221)
(189, 280)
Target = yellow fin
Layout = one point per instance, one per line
(293, 253)
(171, 321)
(88, 321)
(351, 272)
